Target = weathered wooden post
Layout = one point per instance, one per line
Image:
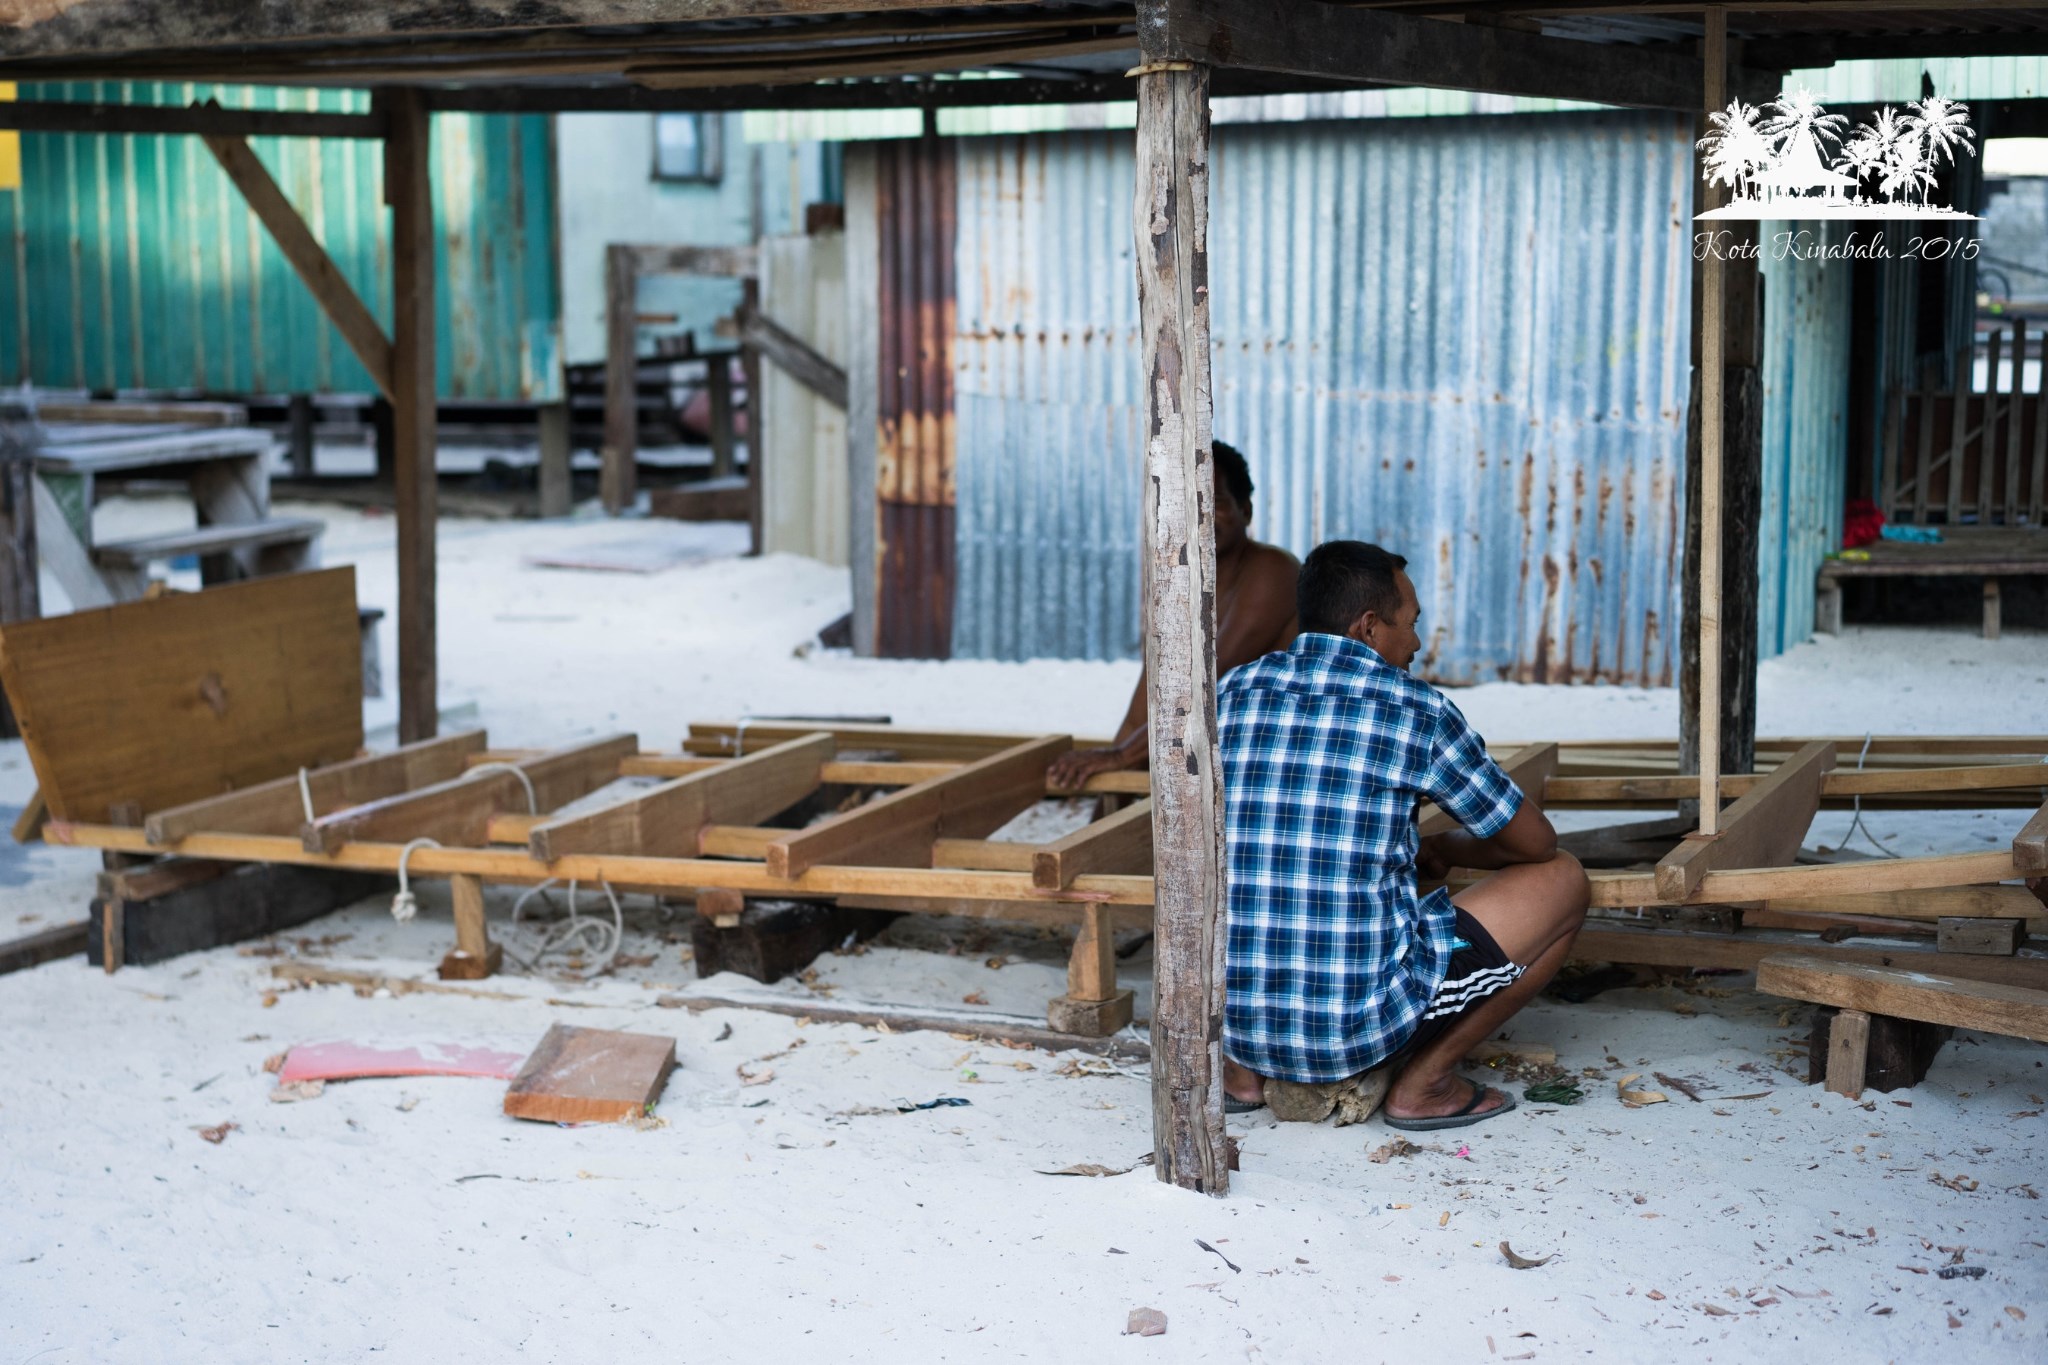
(20, 592)
(1171, 221)
(408, 188)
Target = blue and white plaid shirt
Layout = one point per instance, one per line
(1332, 956)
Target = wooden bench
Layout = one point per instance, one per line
(1862, 993)
(281, 545)
(1989, 553)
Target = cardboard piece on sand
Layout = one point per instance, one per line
(589, 1075)
(358, 1061)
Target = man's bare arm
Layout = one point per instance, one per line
(1528, 838)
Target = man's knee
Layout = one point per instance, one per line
(1570, 890)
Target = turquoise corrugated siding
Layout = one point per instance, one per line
(1806, 407)
(134, 264)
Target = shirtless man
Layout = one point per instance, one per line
(1255, 615)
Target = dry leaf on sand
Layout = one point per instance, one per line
(1637, 1098)
(1089, 1168)
(1521, 1262)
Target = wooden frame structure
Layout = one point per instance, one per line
(603, 54)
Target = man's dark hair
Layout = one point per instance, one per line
(1341, 580)
(1237, 475)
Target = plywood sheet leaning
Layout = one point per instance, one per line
(590, 1075)
(162, 702)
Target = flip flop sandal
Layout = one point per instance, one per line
(1464, 1118)
(1233, 1105)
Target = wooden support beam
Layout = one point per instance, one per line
(1744, 949)
(207, 120)
(1118, 843)
(1936, 903)
(899, 829)
(1093, 1005)
(730, 262)
(303, 252)
(45, 945)
(1842, 783)
(2030, 845)
(1991, 937)
(1763, 829)
(557, 484)
(278, 807)
(617, 481)
(1530, 769)
(669, 820)
(408, 188)
(2015, 1011)
(795, 357)
(459, 811)
(718, 391)
(1170, 218)
(20, 582)
(474, 956)
(1373, 45)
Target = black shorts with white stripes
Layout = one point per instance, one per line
(1478, 969)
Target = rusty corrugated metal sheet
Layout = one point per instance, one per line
(133, 263)
(1465, 339)
(914, 448)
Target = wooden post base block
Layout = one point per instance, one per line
(589, 1075)
(721, 906)
(1896, 1052)
(771, 939)
(1985, 937)
(461, 966)
(1089, 1018)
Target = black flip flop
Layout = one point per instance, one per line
(1464, 1118)
(1233, 1105)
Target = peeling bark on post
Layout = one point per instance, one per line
(408, 187)
(1170, 218)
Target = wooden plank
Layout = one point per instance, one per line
(1924, 465)
(1529, 768)
(1119, 843)
(68, 558)
(1763, 829)
(1959, 400)
(1744, 949)
(1382, 48)
(795, 357)
(247, 902)
(302, 251)
(1934, 903)
(2015, 1011)
(458, 811)
(718, 389)
(1841, 783)
(557, 487)
(1848, 1053)
(1876, 874)
(1987, 445)
(618, 479)
(900, 829)
(167, 701)
(587, 1075)
(278, 806)
(1992, 937)
(732, 262)
(2030, 845)
(204, 540)
(45, 945)
(207, 120)
(408, 188)
(1888, 470)
(1707, 671)
(978, 1024)
(1170, 222)
(28, 826)
(668, 820)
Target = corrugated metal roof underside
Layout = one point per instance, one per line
(134, 264)
(1464, 339)
(1806, 411)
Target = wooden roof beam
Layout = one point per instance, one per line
(1394, 49)
(62, 116)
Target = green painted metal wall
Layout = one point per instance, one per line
(133, 263)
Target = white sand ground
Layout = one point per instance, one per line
(409, 1220)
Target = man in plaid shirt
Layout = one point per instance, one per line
(1337, 966)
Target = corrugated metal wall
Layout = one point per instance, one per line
(135, 264)
(1806, 412)
(1464, 339)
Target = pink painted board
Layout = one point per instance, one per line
(358, 1061)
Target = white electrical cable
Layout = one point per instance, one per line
(1857, 806)
(605, 939)
(532, 802)
(306, 796)
(403, 905)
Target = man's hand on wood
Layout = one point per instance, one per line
(1071, 771)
